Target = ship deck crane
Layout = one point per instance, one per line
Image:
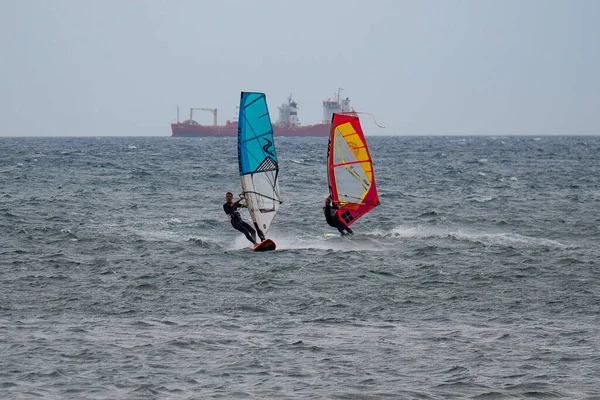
(213, 110)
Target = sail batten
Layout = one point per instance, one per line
(258, 165)
(350, 169)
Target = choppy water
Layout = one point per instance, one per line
(477, 277)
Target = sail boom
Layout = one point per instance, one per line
(347, 163)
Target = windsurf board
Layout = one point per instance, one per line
(265, 245)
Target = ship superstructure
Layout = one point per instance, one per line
(288, 114)
(335, 105)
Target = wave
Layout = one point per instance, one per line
(500, 239)
(378, 240)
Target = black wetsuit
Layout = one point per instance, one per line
(238, 223)
(333, 219)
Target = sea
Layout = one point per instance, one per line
(477, 277)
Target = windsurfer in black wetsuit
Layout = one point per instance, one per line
(230, 209)
(333, 219)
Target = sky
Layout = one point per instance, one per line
(421, 67)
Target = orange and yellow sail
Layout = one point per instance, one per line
(350, 169)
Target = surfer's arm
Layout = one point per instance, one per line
(237, 202)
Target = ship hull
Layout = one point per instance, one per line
(187, 130)
(309, 130)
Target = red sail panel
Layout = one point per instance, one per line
(350, 169)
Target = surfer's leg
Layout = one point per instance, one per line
(331, 222)
(259, 232)
(245, 229)
(341, 226)
(249, 230)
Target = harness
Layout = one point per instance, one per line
(234, 212)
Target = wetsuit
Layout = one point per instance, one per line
(333, 219)
(238, 223)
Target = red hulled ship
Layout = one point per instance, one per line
(287, 124)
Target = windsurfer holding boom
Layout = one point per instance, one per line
(230, 207)
(333, 219)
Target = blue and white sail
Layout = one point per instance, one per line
(259, 169)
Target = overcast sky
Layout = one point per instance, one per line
(121, 67)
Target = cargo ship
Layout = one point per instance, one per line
(287, 123)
